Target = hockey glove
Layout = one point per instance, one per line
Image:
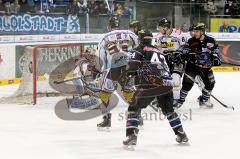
(216, 60)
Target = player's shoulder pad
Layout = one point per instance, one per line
(114, 32)
(210, 38)
(136, 50)
(157, 35)
(211, 42)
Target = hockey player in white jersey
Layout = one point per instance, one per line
(113, 49)
(135, 26)
(168, 41)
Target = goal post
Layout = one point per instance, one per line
(35, 66)
(75, 49)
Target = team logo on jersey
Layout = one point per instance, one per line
(210, 45)
(167, 45)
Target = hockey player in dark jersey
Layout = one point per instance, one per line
(201, 53)
(135, 26)
(155, 72)
(191, 32)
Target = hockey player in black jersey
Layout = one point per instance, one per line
(154, 72)
(201, 53)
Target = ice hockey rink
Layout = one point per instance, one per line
(28, 131)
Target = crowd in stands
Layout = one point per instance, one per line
(232, 7)
(64, 6)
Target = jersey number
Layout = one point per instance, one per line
(155, 58)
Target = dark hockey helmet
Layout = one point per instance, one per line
(114, 22)
(135, 23)
(164, 23)
(191, 27)
(145, 36)
(200, 26)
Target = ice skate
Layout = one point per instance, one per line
(178, 104)
(105, 124)
(181, 136)
(204, 103)
(130, 142)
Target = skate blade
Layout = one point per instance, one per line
(129, 147)
(140, 128)
(183, 142)
(104, 129)
(206, 106)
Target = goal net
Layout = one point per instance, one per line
(38, 67)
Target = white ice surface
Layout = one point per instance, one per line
(35, 132)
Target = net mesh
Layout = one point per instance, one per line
(48, 58)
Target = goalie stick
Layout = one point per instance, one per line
(63, 81)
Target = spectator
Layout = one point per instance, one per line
(210, 7)
(184, 27)
(7, 7)
(96, 7)
(36, 9)
(82, 6)
(73, 8)
(2, 7)
(225, 28)
(231, 7)
(126, 10)
(24, 6)
(118, 9)
(234, 9)
(31, 3)
(15, 7)
(102, 8)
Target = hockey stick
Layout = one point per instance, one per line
(221, 103)
(89, 90)
(63, 81)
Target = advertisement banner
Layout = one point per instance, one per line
(48, 57)
(228, 25)
(7, 62)
(230, 52)
(39, 24)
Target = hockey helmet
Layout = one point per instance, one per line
(200, 26)
(164, 23)
(114, 22)
(135, 23)
(145, 36)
